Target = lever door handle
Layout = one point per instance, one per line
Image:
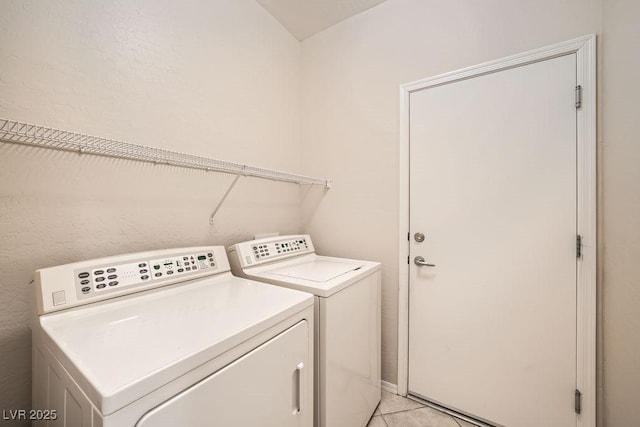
(420, 262)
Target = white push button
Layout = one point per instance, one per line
(59, 298)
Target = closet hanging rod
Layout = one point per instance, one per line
(41, 136)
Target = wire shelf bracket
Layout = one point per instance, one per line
(13, 131)
(224, 197)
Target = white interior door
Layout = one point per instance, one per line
(492, 327)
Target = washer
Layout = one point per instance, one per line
(172, 338)
(347, 309)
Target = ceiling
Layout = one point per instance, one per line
(304, 18)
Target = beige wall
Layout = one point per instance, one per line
(223, 79)
(216, 78)
(620, 202)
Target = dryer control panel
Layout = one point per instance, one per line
(110, 277)
(89, 281)
(271, 248)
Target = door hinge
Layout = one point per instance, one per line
(408, 259)
(578, 401)
(578, 96)
(578, 246)
(408, 236)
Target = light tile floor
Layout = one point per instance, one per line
(397, 411)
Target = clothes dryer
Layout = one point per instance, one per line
(170, 338)
(347, 327)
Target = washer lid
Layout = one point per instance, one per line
(123, 349)
(316, 269)
(321, 275)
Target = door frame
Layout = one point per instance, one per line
(585, 50)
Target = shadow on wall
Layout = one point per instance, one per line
(15, 370)
(310, 198)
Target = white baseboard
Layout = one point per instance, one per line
(388, 387)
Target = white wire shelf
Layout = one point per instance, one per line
(41, 136)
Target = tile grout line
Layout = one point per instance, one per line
(455, 420)
(379, 415)
(422, 405)
(404, 410)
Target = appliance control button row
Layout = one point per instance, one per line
(101, 272)
(284, 247)
(100, 279)
(106, 277)
(260, 251)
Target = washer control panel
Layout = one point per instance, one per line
(104, 278)
(274, 249)
(271, 248)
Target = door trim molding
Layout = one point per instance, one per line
(585, 50)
